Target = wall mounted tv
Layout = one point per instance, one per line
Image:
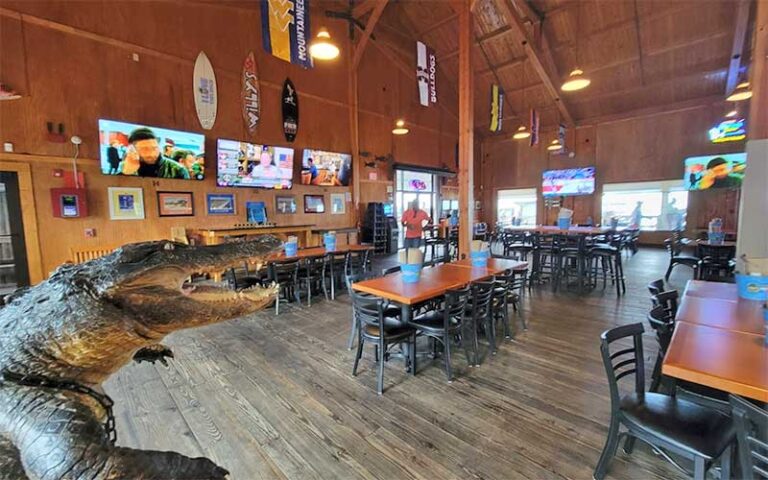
(328, 169)
(143, 151)
(572, 181)
(242, 164)
(715, 171)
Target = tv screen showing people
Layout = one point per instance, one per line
(572, 181)
(328, 169)
(715, 171)
(142, 151)
(242, 164)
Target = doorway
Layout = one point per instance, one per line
(14, 271)
(412, 185)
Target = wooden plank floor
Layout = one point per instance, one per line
(273, 397)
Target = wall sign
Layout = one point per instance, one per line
(426, 74)
(534, 127)
(285, 30)
(733, 130)
(206, 96)
(290, 111)
(497, 108)
(250, 95)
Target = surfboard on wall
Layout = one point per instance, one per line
(250, 95)
(206, 94)
(290, 110)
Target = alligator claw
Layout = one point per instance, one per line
(153, 353)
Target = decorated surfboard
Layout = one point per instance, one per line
(250, 95)
(290, 110)
(206, 95)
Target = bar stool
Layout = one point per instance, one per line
(606, 261)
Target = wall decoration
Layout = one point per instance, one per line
(290, 111)
(534, 127)
(256, 212)
(220, 203)
(338, 205)
(426, 74)
(497, 108)
(733, 130)
(206, 94)
(561, 137)
(250, 95)
(175, 204)
(314, 204)
(285, 204)
(126, 203)
(285, 30)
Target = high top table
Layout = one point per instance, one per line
(719, 341)
(556, 229)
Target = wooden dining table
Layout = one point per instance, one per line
(719, 341)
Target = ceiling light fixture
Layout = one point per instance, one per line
(576, 81)
(321, 48)
(554, 146)
(732, 113)
(400, 128)
(521, 133)
(742, 92)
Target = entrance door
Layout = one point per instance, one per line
(13, 258)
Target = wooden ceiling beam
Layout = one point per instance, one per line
(364, 7)
(512, 62)
(439, 24)
(372, 20)
(480, 40)
(739, 36)
(540, 59)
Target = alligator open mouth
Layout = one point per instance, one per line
(215, 294)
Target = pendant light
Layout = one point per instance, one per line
(742, 92)
(400, 128)
(321, 48)
(732, 113)
(521, 133)
(554, 146)
(576, 80)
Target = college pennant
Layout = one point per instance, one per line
(285, 30)
(497, 108)
(534, 127)
(426, 73)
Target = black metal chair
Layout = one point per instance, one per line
(286, 275)
(389, 270)
(510, 288)
(675, 246)
(686, 429)
(717, 262)
(656, 286)
(479, 311)
(752, 433)
(335, 264)
(571, 261)
(668, 300)
(357, 262)
(606, 261)
(312, 277)
(369, 312)
(241, 279)
(664, 325)
(517, 245)
(446, 324)
(545, 253)
(390, 311)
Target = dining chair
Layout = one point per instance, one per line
(656, 286)
(390, 270)
(606, 261)
(313, 277)
(668, 299)
(752, 435)
(374, 328)
(716, 262)
(664, 325)
(666, 423)
(286, 276)
(674, 246)
(479, 312)
(390, 311)
(446, 324)
(335, 264)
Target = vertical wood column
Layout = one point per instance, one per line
(466, 129)
(753, 233)
(354, 132)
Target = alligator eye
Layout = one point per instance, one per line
(169, 246)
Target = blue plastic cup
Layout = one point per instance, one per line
(752, 287)
(411, 272)
(291, 249)
(329, 240)
(479, 259)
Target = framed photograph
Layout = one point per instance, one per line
(338, 203)
(314, 204)
(175, 204)
(126, 203)
(220, 203)
(256, 212)
(285, 203)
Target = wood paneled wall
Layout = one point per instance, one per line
(644, 148)
(75, 65)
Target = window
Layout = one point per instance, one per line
(516, 207)
(650, 206)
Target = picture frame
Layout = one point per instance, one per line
(338, 204)
(126, 203)
(256, 213)
(220, 204)
(314, 203)
(285, 204)
(175, 204)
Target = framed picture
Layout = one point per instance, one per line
(175, 204)
(285, 203)
(126, 203)
(256, 212)
(314, 204)
(220, 203)
(338, 203)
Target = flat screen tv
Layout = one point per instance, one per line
(328, 169)
(715, 171)
(139, 150)
(572, 181)
(242, 164)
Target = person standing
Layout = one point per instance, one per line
(413, 221)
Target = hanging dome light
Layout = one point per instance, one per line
(554, 146)
(576, 81)
(742, 92)
(321, 47)
(521, 133)
(400, 128)
(732, 113)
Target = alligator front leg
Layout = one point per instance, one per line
(10, 463)
(153, 353)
